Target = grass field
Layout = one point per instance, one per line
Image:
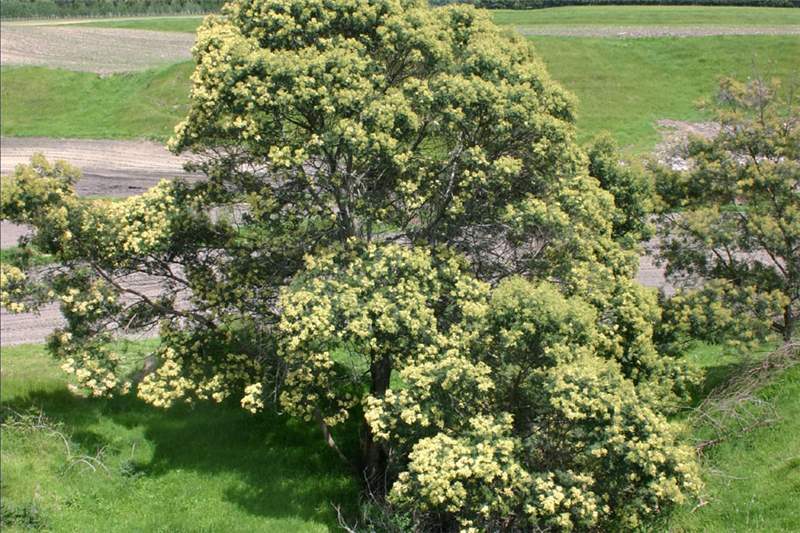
(213, 468)
(649, 16)
(36, 101)
(626, 85)
(180, 24)
(631, 84)
(565, 16)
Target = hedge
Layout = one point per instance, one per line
(101, 8)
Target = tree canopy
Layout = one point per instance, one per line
(397, 227)
(732, 220)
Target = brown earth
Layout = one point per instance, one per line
(101, 50)
(110, 168)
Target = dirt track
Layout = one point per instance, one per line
(110, 168)
(25, 328)
(101, 50)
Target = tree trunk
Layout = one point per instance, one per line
(375, 455)
(788, 323)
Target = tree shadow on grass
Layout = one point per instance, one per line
(283, 468)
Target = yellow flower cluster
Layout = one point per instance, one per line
(379, 302)
(95, 369)
(475, 477)
(189, 376)
(12, 288)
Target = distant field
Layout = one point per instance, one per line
(563, 16)
(624, 86)
(649, 16)
(58, 103)
(179, 24)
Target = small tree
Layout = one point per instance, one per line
(732, 220)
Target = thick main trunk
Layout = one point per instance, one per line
(375, 455)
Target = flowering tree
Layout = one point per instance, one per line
(733, 218)
(377, 172)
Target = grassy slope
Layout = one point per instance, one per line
(630, 85)
(626, 85)
(210, 468)
(37, 101)
(752, 482)
(650, 16)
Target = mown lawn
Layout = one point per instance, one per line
(131, 467)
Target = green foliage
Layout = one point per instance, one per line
(629, 186)
(733, 218)
(373, 169)
(531, 428)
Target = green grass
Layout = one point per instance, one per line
(649, 16)
(752, 481)
(626, 85)
(566, 16)
(36, 101)
(186, 24)
(208, 468)
(14, 254)
(214, 468)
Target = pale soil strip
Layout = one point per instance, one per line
(633, 32)
(101, 50)
(110, 168)
(26, 328)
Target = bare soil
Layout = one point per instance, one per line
(110, 168)
(101, 50)
(26, 328)
(671, 150)
(634, 32)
